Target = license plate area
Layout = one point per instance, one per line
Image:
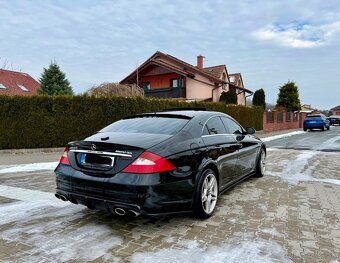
(96, 161)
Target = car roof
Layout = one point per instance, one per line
(191, 113)
(186, 114)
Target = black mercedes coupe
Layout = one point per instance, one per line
(174, 161)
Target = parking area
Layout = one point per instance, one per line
(292, 214)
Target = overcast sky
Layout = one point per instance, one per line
(269, 42)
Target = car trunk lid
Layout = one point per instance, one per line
(105, 154)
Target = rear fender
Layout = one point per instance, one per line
(209, 165)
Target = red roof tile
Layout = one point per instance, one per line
(17, 83)
(182, 65)
(215, 70)
(336, 108)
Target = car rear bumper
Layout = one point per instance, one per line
(313, 125)
(335, 123)
(148, 194)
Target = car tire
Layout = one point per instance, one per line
(206, 195)
(328, 128)
(261, 164)
(323, 128)
(304, 129)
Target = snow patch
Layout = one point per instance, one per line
(60, 234)
(30, 195)
(280, 136)
(29, 167)
(238, 252)
(271, 231)
(299, 169)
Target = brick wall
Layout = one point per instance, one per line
(281, 120)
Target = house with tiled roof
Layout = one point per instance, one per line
(336, 110)
(165, 76)
(17, 83)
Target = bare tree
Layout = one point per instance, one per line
(4, 63)
(115, 89)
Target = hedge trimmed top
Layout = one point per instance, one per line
(53, 121)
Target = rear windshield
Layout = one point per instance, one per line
(153, 125)
(313, 117)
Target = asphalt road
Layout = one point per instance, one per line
(327, 141)
(292, 214)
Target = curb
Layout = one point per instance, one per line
(262, 134)
(33, 151)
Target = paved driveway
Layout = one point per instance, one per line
(290, 215)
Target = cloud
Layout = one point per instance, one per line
(298, 34)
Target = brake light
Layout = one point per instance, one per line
(149, 162)
(64, 158)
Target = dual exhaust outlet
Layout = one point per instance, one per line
(61, 197)
(122, 212)
(118, 210)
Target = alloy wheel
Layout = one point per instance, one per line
(209, 193)
(263, 162)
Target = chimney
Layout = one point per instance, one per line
(200, 61)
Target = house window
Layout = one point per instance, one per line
(22, 87)
(2, 86)
(145, 85)
(175, 83)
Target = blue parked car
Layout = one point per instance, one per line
(316, 121)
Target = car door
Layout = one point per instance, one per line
(248, 148)
(221, 147)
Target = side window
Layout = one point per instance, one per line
(214, 126)
(205, 130)
(232, 126)
(175, 83)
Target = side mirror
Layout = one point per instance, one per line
(250, 130)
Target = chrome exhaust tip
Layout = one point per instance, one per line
(134, 213)
(63, 197)
(120, 211)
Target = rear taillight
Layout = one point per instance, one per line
(149, 162)
(64, 158)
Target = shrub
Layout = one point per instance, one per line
(115, 89)
(259, 98)
(229, 97)
(52, 121)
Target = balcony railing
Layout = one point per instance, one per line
(178, 92)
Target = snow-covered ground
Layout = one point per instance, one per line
(280, 136)
(51, 232)
(235, 251)
(29, 195)
(300, 169)
(27, 167)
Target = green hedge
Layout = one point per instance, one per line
(44, 121)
